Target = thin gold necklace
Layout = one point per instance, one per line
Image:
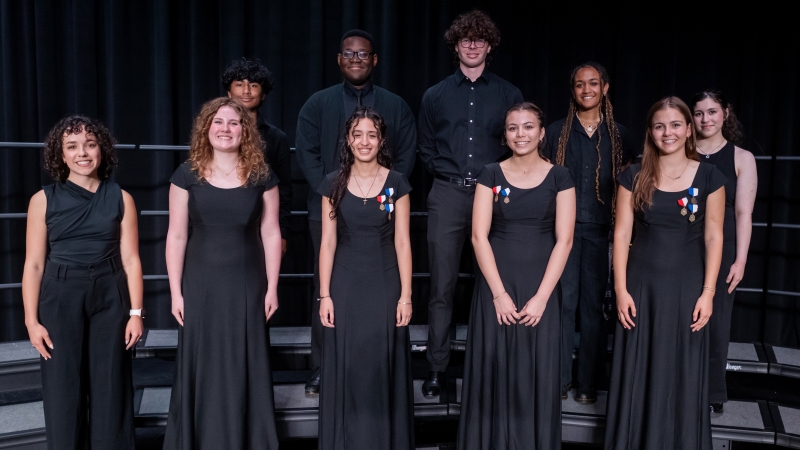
(223, 172)
(525, 171)
(684, 170)
(370, 186)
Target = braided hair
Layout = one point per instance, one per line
(608, 115)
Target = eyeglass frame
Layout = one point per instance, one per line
(357, 54)
(469, 42)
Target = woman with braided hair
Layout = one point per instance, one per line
(595, 149)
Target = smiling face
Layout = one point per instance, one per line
(355, 70)
(586, 88)
(708, 117)
(523, 132)
(364, 140)
(250, 94)
(472, 56)
(669, 131)
(82, 153)
(225, 133)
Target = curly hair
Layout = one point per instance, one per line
(607, 112)
(731, 127)
(473, 25)
(346, 158)
(650, 174)
(251, 167)
(250, 70)
(54, 162)
(536, 111)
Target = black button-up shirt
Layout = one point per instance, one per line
(279, 160)
(351, 93)
(581, 160)
(461, 123)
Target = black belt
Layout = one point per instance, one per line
(463, 182)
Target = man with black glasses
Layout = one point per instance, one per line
(460, 124)
(320, 136)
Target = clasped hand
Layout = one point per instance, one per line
(529, 315)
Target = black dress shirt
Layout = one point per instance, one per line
(461, 123)
(581, 160)
(280, 163)
(354, 97)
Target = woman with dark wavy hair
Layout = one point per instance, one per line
(365, 400)
(83, 299)
(665, 282)
(718, 136)
(224, 283)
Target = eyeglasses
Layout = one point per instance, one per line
(348, 54)
(467, 42)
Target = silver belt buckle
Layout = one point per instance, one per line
(470, 182)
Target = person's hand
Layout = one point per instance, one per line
(270, 303)
(177, 309)
(283, 247)
(532, 312)
(702, 310)
(505, 309)
(133, 331)
(735, 275)
(626, 309)
(326, 312)
(403, 312)
(40, 339)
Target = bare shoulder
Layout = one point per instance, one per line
(38, 202)
(743, 156)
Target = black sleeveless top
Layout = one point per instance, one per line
(725, 162)
(83, 227)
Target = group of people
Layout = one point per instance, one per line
(539, 221)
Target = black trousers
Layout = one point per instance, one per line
(317, 330)
(85, 310)
(720, 328)
(584, 282)
(449, 226)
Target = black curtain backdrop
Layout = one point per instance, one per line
(145, 67)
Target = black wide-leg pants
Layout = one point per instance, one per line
(584, 282)
(85, 310)
(449, 226)
(317, 329)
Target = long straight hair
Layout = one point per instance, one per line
(650, 174)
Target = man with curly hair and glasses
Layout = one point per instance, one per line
(460, 125)
(320, 136)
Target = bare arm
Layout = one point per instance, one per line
(271, 239)
(715, 215)
(177, 236)
(402, 245)
(327, 251)
(129, 252)
(746, 186)
(626, 309)
(505, 308)
(35, 254)
(565, 228)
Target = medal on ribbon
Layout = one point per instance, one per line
(381, 199)
(693, 208)
(694, 192)
(389, 193)
(389, 209)
(683, 202)
(505, 193)
(496, 191)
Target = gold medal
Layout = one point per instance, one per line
(382, 207)
(683, 211)
(506, 200)
(691, 218)
(694, 200)
(391, 200)
(390, 216)
(495, 198)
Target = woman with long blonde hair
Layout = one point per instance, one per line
(665, 282)
(224, 282)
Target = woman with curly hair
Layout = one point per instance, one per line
(718, 136)
(366, 401)
(83, 299)
(224, 283)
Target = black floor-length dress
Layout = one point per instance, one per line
(222, 396)
(510, 396)
(659, 377)
(366, 399)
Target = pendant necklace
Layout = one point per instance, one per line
(223, 172)
(684, 170)
(590, 128)
(707, 155)
(370, 186)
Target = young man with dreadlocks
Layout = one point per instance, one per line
(595, 149)
(461, 122)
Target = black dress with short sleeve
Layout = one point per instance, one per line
(658, 397)
(366, 399)
(222, 395)
(510, 397)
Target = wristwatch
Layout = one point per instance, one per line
(138, 312)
